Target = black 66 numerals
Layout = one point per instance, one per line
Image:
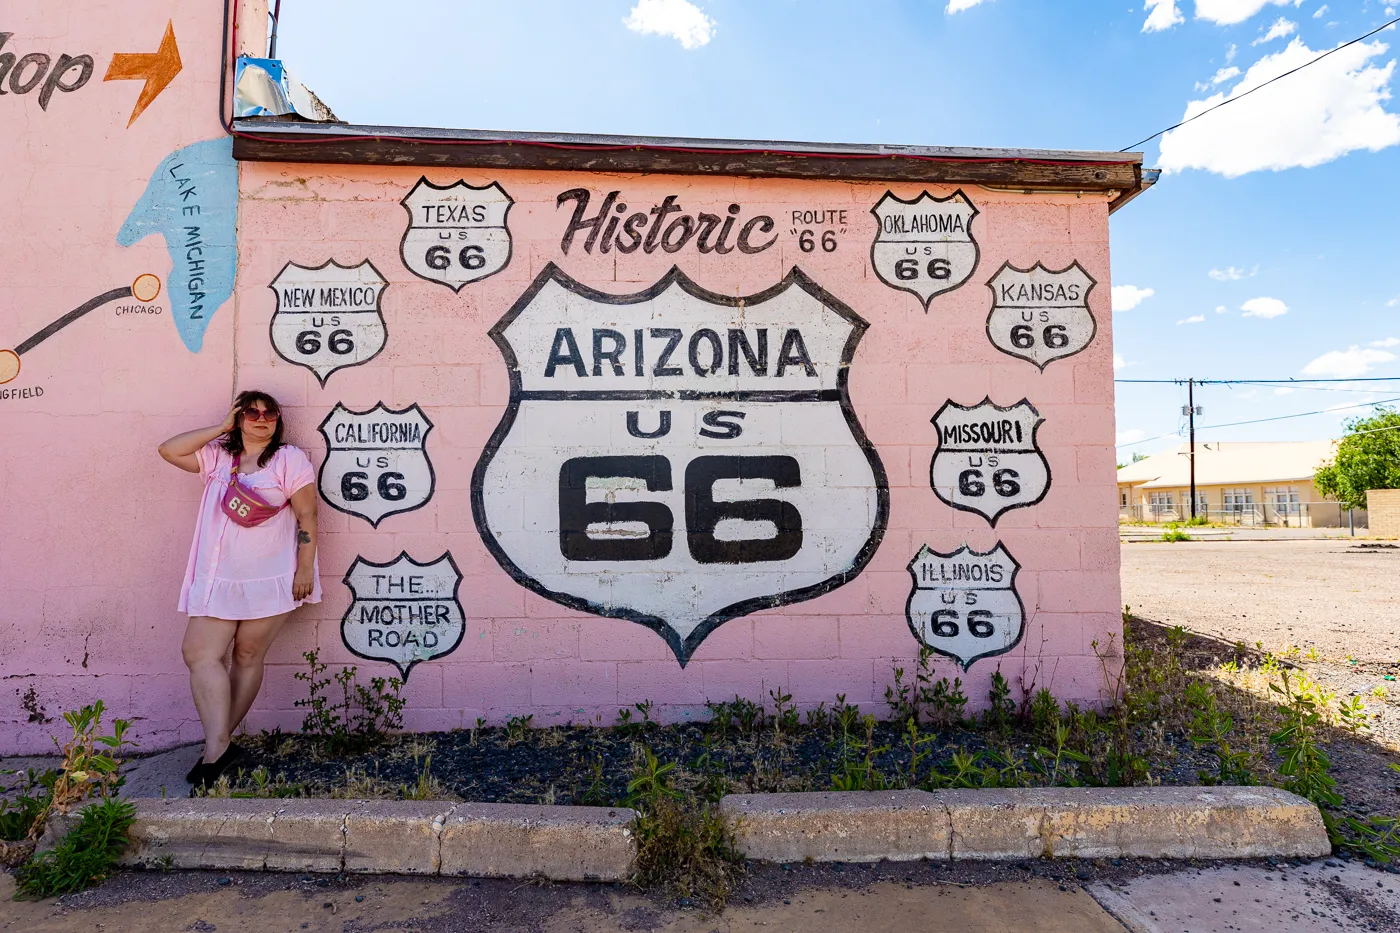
(703, 513)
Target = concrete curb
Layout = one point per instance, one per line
(488, 840)
(1060, 822)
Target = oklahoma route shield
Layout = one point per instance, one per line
(988, 460)
(964, 605)
(679, 457)
(924, 246)
(456, 234)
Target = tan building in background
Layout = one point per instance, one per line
(1384, 505)
(1247, 483)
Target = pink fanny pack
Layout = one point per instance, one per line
(242, 505)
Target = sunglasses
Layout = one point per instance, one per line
(252, 414)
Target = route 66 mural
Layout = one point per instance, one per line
(964, 605)
(328, 316)
(924, 246)
(376, 462)
(678, 457)
(988, 460)
(456, 234)
(404, 612)
(1040, 314)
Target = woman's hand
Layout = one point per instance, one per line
(230, 421)
(303, 583)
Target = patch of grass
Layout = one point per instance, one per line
(85, 856)
(1174, 533)
(359, 719)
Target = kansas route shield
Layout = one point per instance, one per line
(376, 463)
(964, 605)
(328, 316)
(924, 246)
(678, 457)
(1039, 314)
(456, 235)
(987, 459)
(404, 612)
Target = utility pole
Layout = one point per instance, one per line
(1191, 404)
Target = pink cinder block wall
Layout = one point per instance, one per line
(96, 527)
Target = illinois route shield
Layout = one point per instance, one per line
(1039, 314)
(678, 457)
(924, 246)
(988, 460)
(456, 234)
(404, 612)
(964, 605)
(376, 462)
(328, 316)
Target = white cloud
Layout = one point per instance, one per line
(1221, 309)
(1387, 342)
(1119, 362)
(1278, 30)
(1324, 112)
(1128, 297)
(1231, 52)
(1392, 302)
(1231, 274)
(1229, 12)
(1161, 14)
(957, 6)
(1193, 319)
(1321, 12)
(1264, 307)
(679, 19)
(1130, 436)
(1348, 363)
(1225, 74)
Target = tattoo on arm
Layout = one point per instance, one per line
(303, 536)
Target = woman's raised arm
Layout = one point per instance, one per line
(181, 449)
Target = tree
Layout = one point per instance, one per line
(1368, 457)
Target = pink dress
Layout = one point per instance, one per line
(238, 573)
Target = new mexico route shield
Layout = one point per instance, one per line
(924, 246)
(988, 460)
(678, 457)
(964, 605)
(1039, 314)
(376, 462)
(404, 612)
(456, 235)
(328, 316)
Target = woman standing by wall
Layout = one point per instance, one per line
(253, 561)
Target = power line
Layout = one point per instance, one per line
(1247, 382)
(1231, 100)
(1305, 414)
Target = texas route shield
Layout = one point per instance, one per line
(376, 461)
(964, 605)
(678, 457)
(456, 234)
(988, 460)
(924, 246)
(1040, 314)
(328, 316)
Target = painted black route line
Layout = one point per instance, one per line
(82, 309)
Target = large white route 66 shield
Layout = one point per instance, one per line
(328, 317)
(1039, 314)
(404, 612)
(679, 457)
(964, 605)
(456, 235)
(376, 463)
(988, 460)
(924, 246)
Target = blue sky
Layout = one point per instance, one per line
(1269, 248)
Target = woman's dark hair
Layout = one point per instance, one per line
(233, 440)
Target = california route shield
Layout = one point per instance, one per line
(1040, 314)
(456, 234)
(328, 316)
(924, 246)
(678, 457)
(987, 459)
(376, 461)
(404, 612)
(964, 605)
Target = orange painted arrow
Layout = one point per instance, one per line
(157, 69)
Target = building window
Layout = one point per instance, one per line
(1162, 502)
(1239, 500)
(1123, 498)
(1283, 499)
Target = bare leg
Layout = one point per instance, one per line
(206, 641)
(250, 646)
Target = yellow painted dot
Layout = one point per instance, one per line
(9, 365)
(146, 287)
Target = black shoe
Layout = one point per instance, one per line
(233, 755)
(194, 771)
